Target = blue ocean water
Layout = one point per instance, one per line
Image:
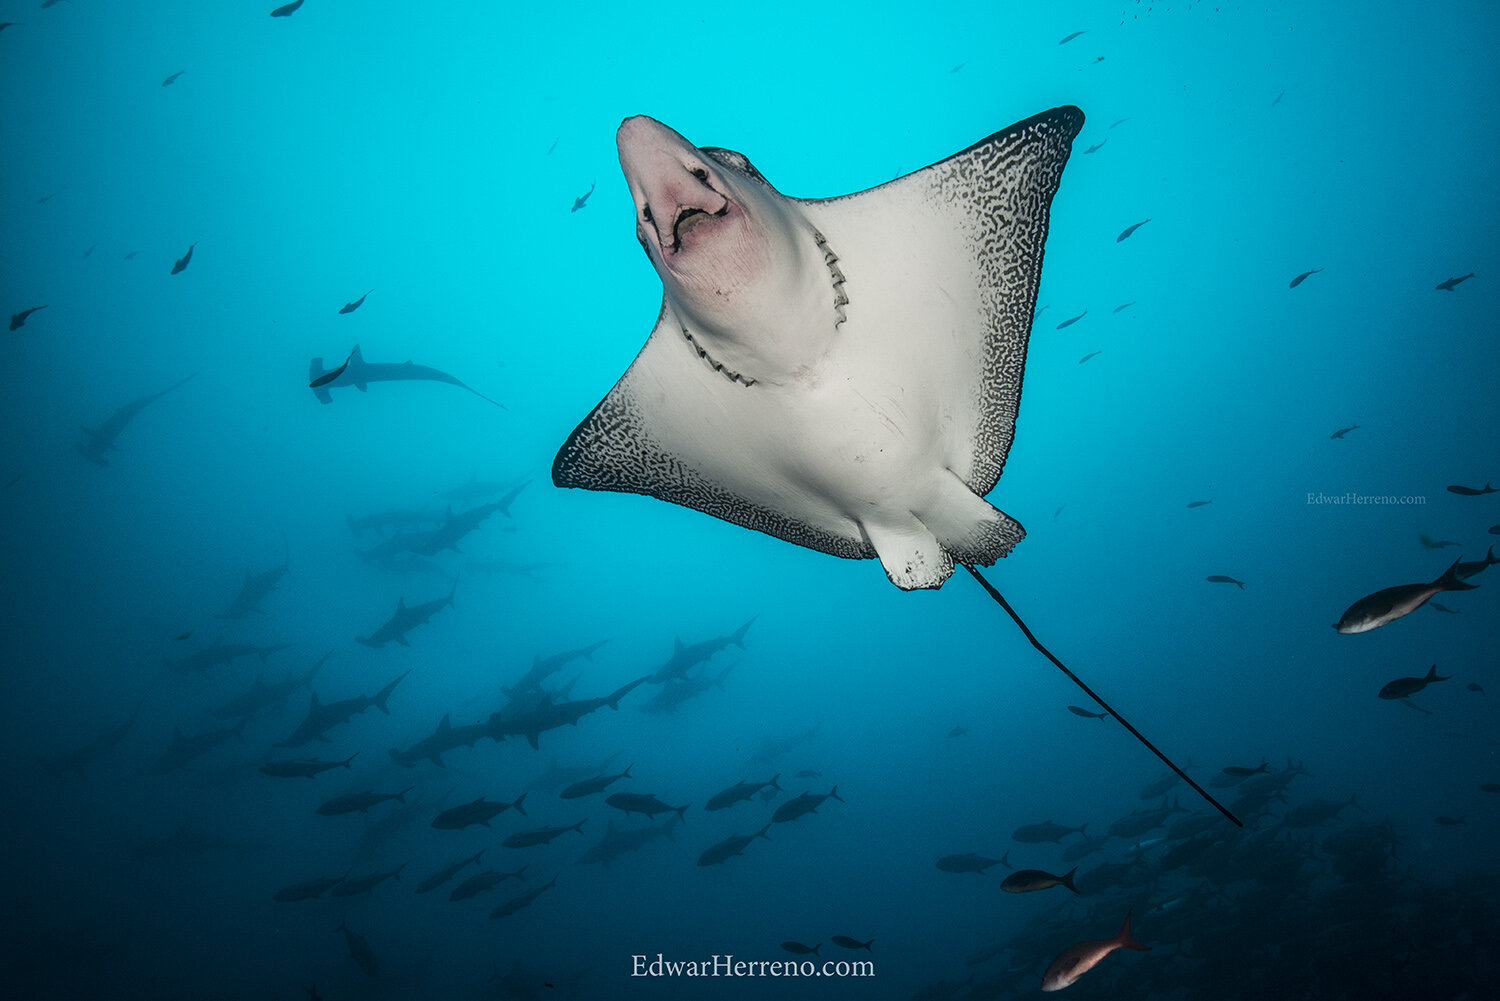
(432, 155)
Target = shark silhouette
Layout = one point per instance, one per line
(359, 373)
(102, 438)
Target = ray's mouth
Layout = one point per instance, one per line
(690, 218)
(690, 211)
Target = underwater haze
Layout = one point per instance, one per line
(280, 655)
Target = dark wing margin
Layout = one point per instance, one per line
(997, 196)
(613, 449)
(1004, 186)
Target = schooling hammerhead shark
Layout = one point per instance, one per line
(359, 373)
(102, 438)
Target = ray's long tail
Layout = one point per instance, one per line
(1000, 600)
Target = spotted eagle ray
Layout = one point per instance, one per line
(841, 373)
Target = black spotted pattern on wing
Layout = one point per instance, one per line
(1006, 182)
(1000, 191)
(612, 450)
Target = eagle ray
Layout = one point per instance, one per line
(841, 373)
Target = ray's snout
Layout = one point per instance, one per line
(671, 182)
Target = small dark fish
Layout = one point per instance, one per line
(182, 262)
(1068, 38)
(1402, 687)
(1239, 771)
(1131, 229)
(1151, 790)
(1443, 608)
(304, 769)
(287, 10)
(1452, 821)
(521, 901)
(1058, 511)
(131, 254)
(1391, 603)
(583, 199)
(1408, 703)
(959, 66)
(1096, 147)
(359, 802)
(1343, 431)
(44, 199)
(1199, 503)
(13, 480)
(1464, 491)
(1466, 570)
(1125, 306)
(1428, 542)
(599, 783)
(1069, 323)
(328, 377)
(958, 731)
(359, 947)
(540, 836)
(970, 862)
(350, 307)
(845, 942)
(1475, 686)
(797, 948)
(18, 319)
(1487, 787)
(643, 803)
(1219, 578)
(1088, 356)
(10, 24)
(474, 885)
(1121, 121)
(1031, 880)
(182, 636)
(1303, 277)
(50, 3)
(173, 78)
(1098, 59)
(88, 253)
(1278, 99)
(804, 804)
(456, 818)
(1448, 285)
(1495, 529)
(554, 145)
(1080, 711)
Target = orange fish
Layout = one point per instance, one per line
(1079, 959)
